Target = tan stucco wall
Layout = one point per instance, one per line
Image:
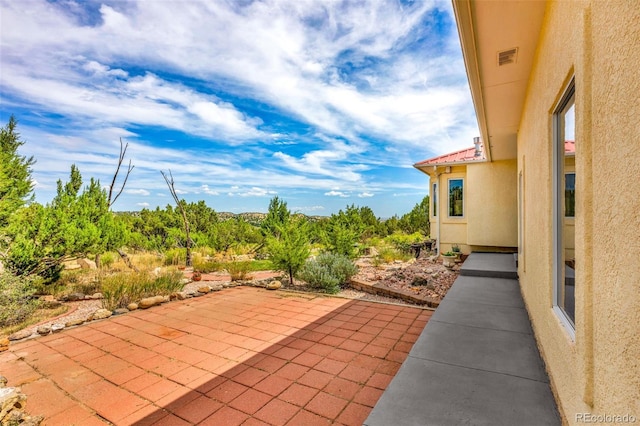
(599, 43)
(453, 230)
(492, 219)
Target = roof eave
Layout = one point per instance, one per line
(464, 22)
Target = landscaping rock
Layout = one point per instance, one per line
(197, 294)
(204, 289)
(73, 297)
(216, 287)
(74, 322)
(43, 330)
(132, 306)
(100, 314)
(120, 311)
(19, 335)
(87, 264)
(97, 296)
(274, 285)
(56, 328)
(4, 344)
(148, 302)
(10, 399)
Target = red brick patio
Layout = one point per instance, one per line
(239, 356)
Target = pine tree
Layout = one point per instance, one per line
(16, 186)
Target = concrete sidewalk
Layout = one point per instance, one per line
(476, 362)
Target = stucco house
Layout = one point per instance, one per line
(556, 89)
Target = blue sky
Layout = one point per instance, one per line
(323, 103)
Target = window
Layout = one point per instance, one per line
(564, 202)
(569, 194)
(435, 199)
(456, 192)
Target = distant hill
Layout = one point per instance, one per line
(257, 218)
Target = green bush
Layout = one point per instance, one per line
(16, 299)
(403, 242)
(328, 272)
(107, 259)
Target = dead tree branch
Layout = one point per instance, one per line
(170, 184)
(123, 152)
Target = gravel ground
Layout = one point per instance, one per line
(425, 276)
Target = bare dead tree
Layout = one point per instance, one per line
(170, 184)
(112, 199)
(123, 152)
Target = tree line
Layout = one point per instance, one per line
(35, 239)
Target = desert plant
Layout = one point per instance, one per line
(328, 271)
(388, 255)
(238, 270)
(17, 300)
(205, 265)
(173, 256)
(119, 290)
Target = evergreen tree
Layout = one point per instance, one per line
(16, 185)
(288, 248)
(74, 224)
(417, 220)
(277, 216)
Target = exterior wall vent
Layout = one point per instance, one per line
(507, 57)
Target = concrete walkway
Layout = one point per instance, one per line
(476, 362)
(238, 356)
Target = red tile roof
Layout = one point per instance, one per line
(462, 156)
(570, 147)
(468, 155)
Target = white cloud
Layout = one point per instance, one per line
(205, 189)
(137, 192)
(336, 194)
(364, 85)
(143, 205)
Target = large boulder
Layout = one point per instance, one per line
(148, 302)
(87, 264)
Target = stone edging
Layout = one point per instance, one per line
(381, 290)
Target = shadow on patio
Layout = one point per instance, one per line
(239, 356)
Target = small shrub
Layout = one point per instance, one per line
(402, 242)
(328, 272)
(388, 255)
(174, 256)
(17, 303)
(107, 259)
(238, 270)
(206, 266)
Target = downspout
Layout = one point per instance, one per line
(437, 176)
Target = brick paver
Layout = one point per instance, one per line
(239, 356)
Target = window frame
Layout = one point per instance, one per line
(434, 188)
(558, 211)
(449, 180)
(565, 197)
